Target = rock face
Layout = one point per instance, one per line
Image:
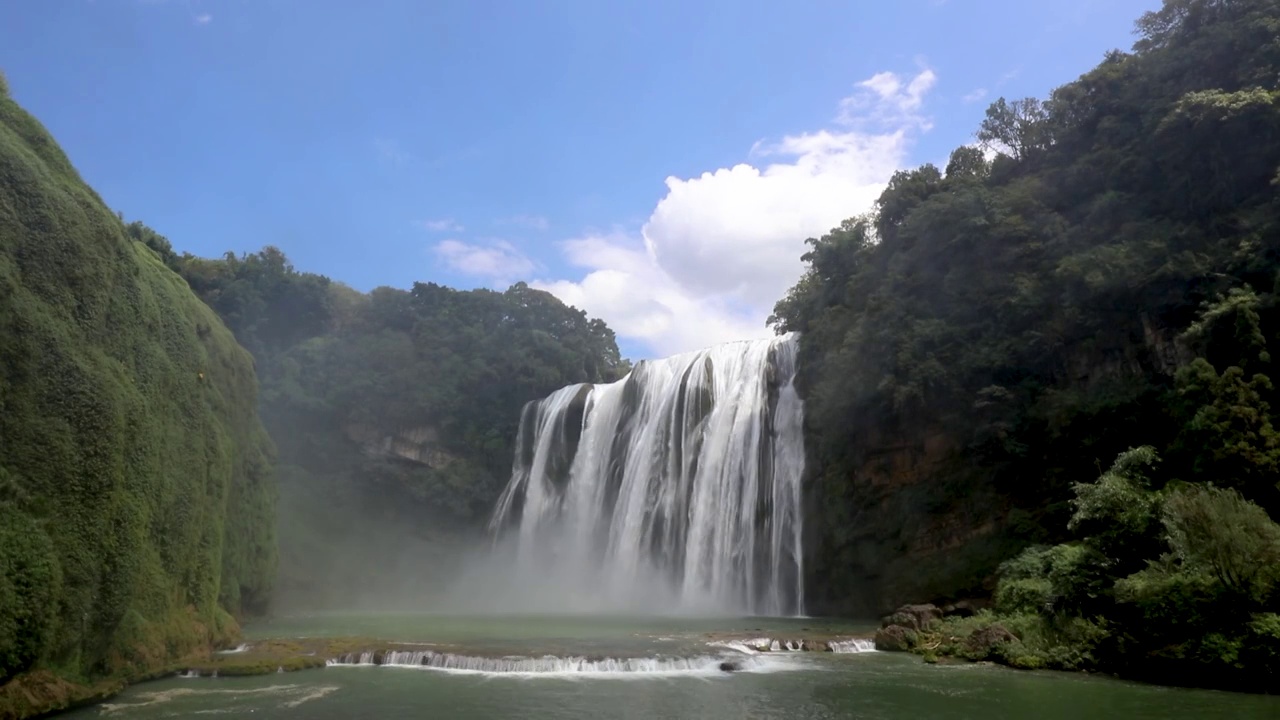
(914, 617)
(895, 638)
(984, 641)
(417, 444)
(902, 509)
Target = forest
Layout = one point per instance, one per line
(394, 412)
(1059, 345)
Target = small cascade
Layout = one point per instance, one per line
(552, 665)
(764, 645)
(676, 487)
(856, 645)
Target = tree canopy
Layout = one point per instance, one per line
(1103, 278)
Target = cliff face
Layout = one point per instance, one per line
(416, 444)
(925, 513)
(136, 497)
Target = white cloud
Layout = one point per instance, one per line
(204, 19)
(720, 249)
(534, 222)
(441, 225)
(497, 261)
(974, 96)
(888, 101)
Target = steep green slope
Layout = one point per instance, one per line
(136, 498)
(998, 331)
(1104, 293)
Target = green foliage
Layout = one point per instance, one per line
(403, 404)
(1197, 613)
(1117, 513)
(1230, 433)
(988, 338)
(974, 351)
(1063, 578)
(1019, 128)
(1216, 532)
(135, 490)
(29, 590)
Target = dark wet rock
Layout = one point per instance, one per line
(895, 638)
(729, 666)
(379, 657)
(963, 608)
(915, 617)
(984, 641)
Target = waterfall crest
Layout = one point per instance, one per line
(675, 489)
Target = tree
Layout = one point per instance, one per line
(967, 162)
(1019, 128)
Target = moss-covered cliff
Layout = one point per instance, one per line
(136, 497)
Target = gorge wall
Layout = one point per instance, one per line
(136, 494)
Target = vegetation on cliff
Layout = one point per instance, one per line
(395, 412)
(136, 500)
(996, 332)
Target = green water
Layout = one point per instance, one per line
(794, 685)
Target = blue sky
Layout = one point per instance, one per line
(657, 163)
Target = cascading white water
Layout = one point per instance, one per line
(675, 489)
(552, 665)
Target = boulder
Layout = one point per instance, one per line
(964, 608)
(728, 666)
(895, 638)
(915, 617)
(983, 641)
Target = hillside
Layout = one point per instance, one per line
(395, 413)
(136, 492)
(983, 346)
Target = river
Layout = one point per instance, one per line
(867, 685)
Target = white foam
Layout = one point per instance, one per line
(567, 667)
(856, 645)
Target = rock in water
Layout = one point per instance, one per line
(895, 638)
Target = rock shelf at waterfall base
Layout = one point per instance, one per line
(715, 654)
(725, 652)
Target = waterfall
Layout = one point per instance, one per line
(675, 489)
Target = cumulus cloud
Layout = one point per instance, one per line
(496, 261)
(720, 249)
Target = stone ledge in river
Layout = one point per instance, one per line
(812, 642)
(895, 638)
(913, 617)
